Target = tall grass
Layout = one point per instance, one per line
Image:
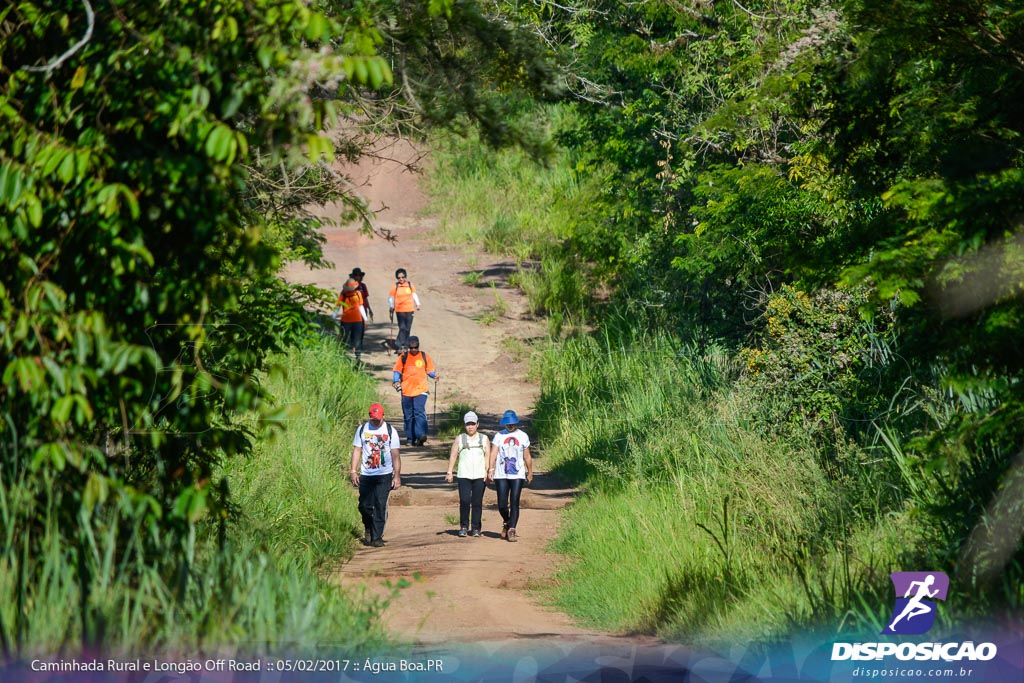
(505, 203)
(695, 524)
(250, 585)
(293, 492)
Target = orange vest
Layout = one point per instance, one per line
(350, 303)
(414, 373)
(403, 297)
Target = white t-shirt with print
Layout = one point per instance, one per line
(377, 445)
(510, 464)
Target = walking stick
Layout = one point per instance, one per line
(434, 416)
(391, 328)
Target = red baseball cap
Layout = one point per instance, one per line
(377, 411)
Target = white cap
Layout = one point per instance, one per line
(470, 417)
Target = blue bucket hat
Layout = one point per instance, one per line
(509, 418)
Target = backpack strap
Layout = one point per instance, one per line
(465, 441)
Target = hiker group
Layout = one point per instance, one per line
(474, 459)
(504, 460)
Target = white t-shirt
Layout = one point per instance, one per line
(473, 460)
(509, 464)
(377, 445)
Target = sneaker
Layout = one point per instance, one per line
(504, 530)
(475, 533)
(377, 543)
(366, 538)
(462, 533)
(512, 536)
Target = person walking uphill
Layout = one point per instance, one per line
(510, 467)
(470, 449)
(376, 469)
(351, 315)
(403, 302)
(410, 376)
(357, 274)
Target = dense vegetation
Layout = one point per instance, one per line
(156, 162)
(816, 203)
(818, 207)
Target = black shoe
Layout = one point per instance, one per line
(422, 441)
(366, 538)
(377, 543)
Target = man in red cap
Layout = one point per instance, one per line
(376, 469)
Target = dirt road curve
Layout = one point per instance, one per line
(470, 590)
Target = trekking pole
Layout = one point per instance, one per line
(434, 416)
(391, 328)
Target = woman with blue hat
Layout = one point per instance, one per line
(510, 467)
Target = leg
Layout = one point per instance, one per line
(420, 426)
(477, 502)
(407, 413)
(373, 503)
(356, 338)
(345, 333)
(515, 490)
(502, 487)
(465, 497)
(404, 328)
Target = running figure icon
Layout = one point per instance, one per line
(915, 607)
(914, 612)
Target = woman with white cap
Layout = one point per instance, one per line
(510, 467)
(470, 450)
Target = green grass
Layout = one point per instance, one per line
(694, 525)
(121, 590)
(294, 490)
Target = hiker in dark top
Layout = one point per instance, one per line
(358, 276)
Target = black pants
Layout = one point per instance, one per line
(352, 336)
(471, 496)
(509, 491)
(404, 328)
(373, 503)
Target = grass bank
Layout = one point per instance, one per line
(251, 581)
(701, 524)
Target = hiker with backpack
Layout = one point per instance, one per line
(351, 316)
(412, 368)
(470, 450)
(357, 274)
(510, 467)
(375, 470)
(403, 302)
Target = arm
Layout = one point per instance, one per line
(362, 313)
(491, 457)
(529, 465)
(416, 300)
(391, 301)
(353, 470)
(431, 368)
(452, 457)
(396, 463)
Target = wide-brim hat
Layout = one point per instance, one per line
(350, 286)
(356, 273)
(509, 418)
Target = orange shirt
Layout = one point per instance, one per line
(350, 304)
(414, 373)
(402, 294)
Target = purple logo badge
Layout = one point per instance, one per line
(914, 611)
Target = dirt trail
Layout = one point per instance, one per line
(471, 590)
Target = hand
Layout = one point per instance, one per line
(396, 482)
(529, 477)
(436, 376)
(354, 478)
(448, 477)
(371, 316)
(397, 386)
